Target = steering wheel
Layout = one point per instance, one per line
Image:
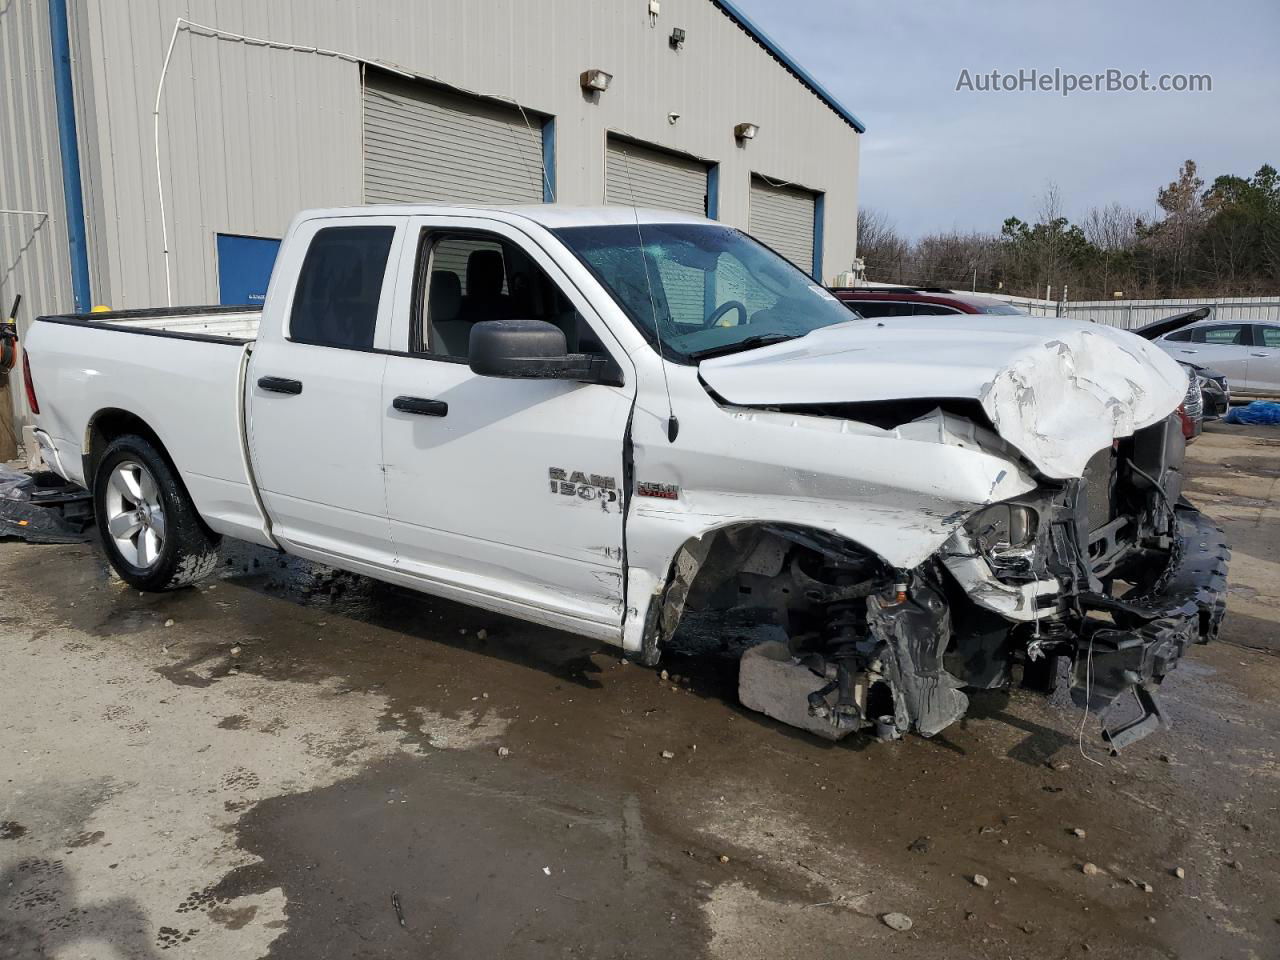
(724, 308)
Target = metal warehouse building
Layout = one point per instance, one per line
(120, 189)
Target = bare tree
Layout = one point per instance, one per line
(960, 260)
(881, 247)
(1112, 228)
(1184, 217)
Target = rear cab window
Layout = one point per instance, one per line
(339, 286)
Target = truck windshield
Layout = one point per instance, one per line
(710, 289)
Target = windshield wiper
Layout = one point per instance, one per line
(758, 340)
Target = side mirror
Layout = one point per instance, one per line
(534, 350)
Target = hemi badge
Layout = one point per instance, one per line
(663, 491)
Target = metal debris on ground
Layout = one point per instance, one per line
(41, 507)
(395, 902)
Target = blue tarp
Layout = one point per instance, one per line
(1260, 411)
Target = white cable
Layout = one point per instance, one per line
(1088, 691)
(191, 25)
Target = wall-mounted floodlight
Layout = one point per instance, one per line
(745, 131)
(595, 80)
(676, 39)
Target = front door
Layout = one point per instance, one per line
(314, 394)
(504, 492)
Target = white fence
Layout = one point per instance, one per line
(1131, 314)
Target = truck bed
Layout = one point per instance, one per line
(233, 323)
(180, 370)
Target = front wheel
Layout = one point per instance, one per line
(153, 536)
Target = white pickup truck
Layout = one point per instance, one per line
(596, 419)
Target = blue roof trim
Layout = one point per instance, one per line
(741, 19)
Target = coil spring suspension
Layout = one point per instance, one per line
(847, 647)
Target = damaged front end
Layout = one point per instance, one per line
(1113, 573)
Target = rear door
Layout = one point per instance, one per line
(1222, 346)
(508, 493)
(1264, 359)
(314, 393)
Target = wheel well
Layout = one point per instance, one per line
(105, 427)
(786, 567)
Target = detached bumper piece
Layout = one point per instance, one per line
(44, 508)
(1149, 635)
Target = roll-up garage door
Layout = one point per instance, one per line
(426, 144)
(644, 177)
(782, 217)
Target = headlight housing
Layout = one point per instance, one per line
(1002, 527)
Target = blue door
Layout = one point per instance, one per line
(244, 268)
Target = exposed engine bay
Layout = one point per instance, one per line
(1114, 572)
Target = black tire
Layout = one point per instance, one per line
(188, 550)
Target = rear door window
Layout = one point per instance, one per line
(1267, 336)
(1225, 334)
(336, 302)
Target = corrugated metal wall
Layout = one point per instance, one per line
(782, 217)
(636, 176)
(250, 134)
(33, 249)
(423, 144)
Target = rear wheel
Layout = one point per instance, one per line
(150, 529)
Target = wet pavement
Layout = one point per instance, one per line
(308, 764)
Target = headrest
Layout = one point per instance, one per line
(444, 297)
(485, 273)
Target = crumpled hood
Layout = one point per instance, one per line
(1057, 390)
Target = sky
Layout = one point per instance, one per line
(935, 159)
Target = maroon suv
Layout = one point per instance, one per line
(918, 301)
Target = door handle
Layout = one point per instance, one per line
(1259, 354)
(280, 385)
(420, 406)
